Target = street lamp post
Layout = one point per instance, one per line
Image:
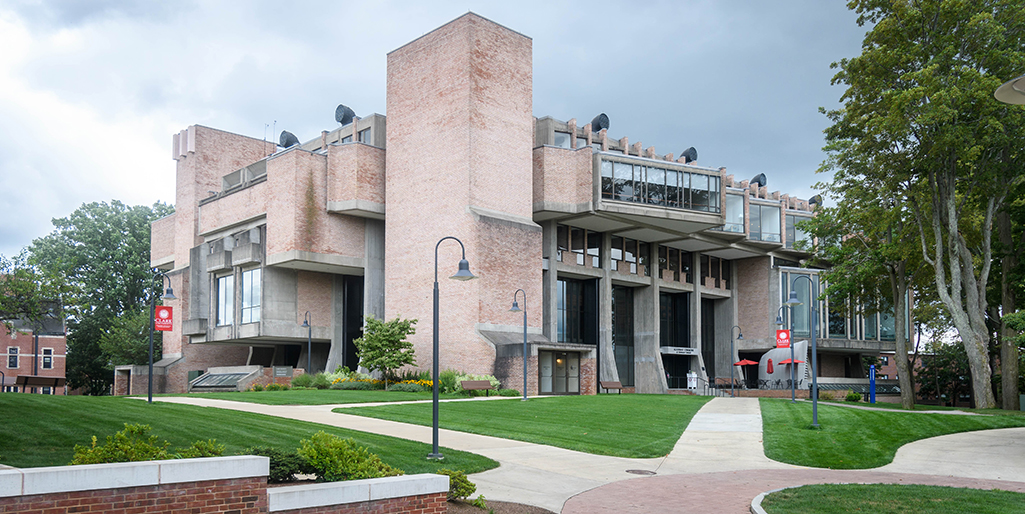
(309, 342)
(814, 352)
(740, 335)
(516, 308)
(168, 295)
(462, 274)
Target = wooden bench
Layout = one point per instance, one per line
(476, 385)
(608, 385)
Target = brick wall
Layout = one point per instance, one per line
(236, 485)
(421, 504)
(29, 362)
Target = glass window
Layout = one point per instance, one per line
(699, 192)
(623, 333)
(363, 136)
(871, 324)
(673, 188)
(656, 178)
(674, 263)
(726, 274)
(561, 140)
(887, 331)
(801, 314)
(12, 357)
(686, 261)
(623, 181)
(734, 214)
(577, 244)
(562, 240)
(594, 248)
(765, 223)
(570, 307)
(643, 258)
(794, 233)
(251, 295)
(608, 188)
(630, 254)
(47, 358)
(837, 320)
(617, 248)
(347, 139)
(581, 142)
(225, 300)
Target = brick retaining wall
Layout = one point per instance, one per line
(236, 485)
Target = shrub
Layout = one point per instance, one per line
(335, 459)
(353, 385)
(208, 448)
(448, 381)
(853, 397)
(283, 465)
(508, 392)
(304, 380)
(828, 396)
(256, 387)
(459, 487)
(320, 381)
(276, 387)
(129, 445)
(408, 387)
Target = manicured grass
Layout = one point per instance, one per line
(319, 396)
(891, 499)
(856, 438)
(43, 430)
(622, 425)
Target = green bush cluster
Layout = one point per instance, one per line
(853, 397)
(334, 459)
(354, 386)
(406, 387)
(276, 387)
(304, 380)
(134, 444)
(508, 392)
(459, 487)
(283, 465)
(449, 382)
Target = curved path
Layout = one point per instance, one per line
(718, 464)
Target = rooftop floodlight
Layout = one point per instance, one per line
(1012, 91)
(464, 271)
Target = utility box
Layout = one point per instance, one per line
(692, 380)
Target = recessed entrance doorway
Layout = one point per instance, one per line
(559, 372)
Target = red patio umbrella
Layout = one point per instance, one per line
(768, 367)
(745, 362)
(788, 361)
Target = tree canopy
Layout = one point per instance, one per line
(383, 346)
(100, 255)
(919, 122)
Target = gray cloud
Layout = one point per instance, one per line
(92, 90)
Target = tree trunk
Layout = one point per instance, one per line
(899, 287)
(1008, 349)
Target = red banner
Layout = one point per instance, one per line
(782, 339)
(163, 318)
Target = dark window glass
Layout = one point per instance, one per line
(699, 192)
(47, 358)
(562, 240)
(686, 262)
(608, 188)
(581, 142)
(594, 248)
(837, 320)
(577, 244)
(617, 248)
(674, 263)
(727, 274)
(12, 357)
(570, 306)
(755, 231)
(643, 258)
(623, 333)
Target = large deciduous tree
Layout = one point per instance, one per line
(920, 120)
(101, 252)
(383, 346)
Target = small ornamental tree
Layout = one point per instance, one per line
(383, 346)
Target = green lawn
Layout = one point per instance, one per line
(43, 430)
(319, 396)
(622, 425)
(856, 438)
(891, 499)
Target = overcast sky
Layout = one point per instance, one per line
(91, 91)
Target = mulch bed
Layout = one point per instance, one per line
(461, 507)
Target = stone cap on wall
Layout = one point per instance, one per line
(88, 477)
(333, 493)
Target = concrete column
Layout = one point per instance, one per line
(649, 375)
(373, 272)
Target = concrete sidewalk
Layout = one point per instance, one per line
(717, 465)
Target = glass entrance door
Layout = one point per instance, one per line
(559, 372)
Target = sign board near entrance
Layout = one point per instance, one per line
(678, 350)
(782, 339)
(163, 318)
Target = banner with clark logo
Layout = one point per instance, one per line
(163, 318)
